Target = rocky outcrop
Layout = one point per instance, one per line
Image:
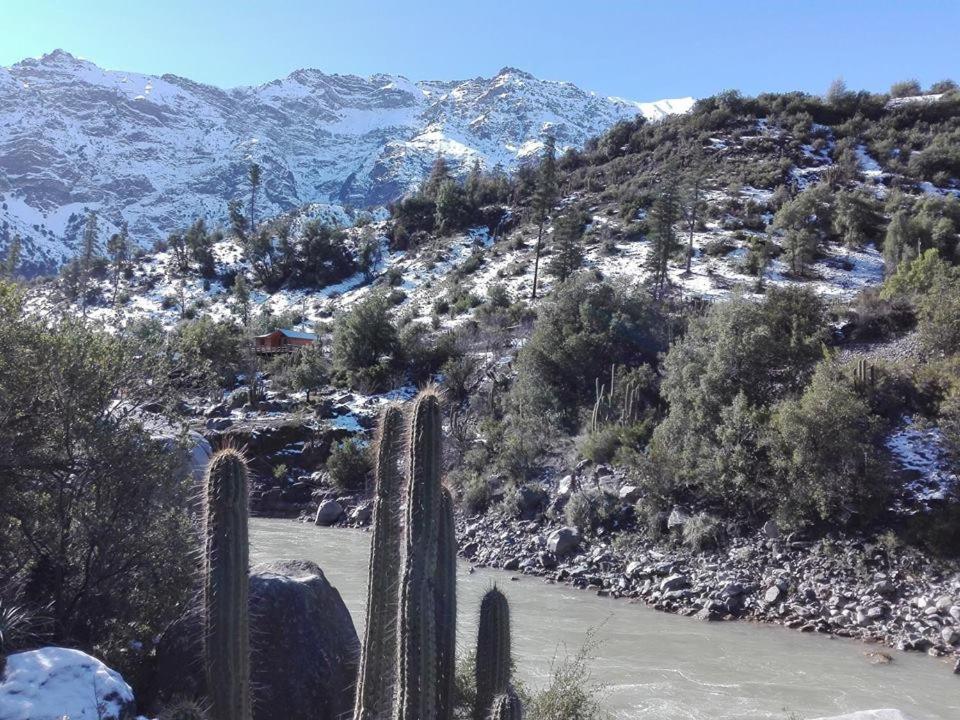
(305, 649)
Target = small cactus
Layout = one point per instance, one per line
(494, 662)
(226, 587)
(183, 710)
(506, 706)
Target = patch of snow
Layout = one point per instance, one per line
(52, 683)
(920, 451)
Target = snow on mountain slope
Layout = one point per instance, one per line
(156, 152)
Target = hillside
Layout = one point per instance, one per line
(157, 152)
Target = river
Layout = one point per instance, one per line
(654, 665)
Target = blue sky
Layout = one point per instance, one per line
(639, 50)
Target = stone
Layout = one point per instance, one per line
(55, 682)
(629, 494)
(634, 568)
(674, 582)
(566, 486)
(304, 647)
(218, 410)
(771, 530)
(563, 541)
(328, 513)
(950, 636)
(677, 519)
(772, 595)
(362, 513)
(944, 603)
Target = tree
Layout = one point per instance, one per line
(856, 217)
(199, 243)
(663, 238)
(905, 88)
(567, 246)
(310, 370)
(93, 507)
(545, 197)
(473, 185)
(253, 175)
(453, 212)
(370, 253)
(90, 233)
(902, 241)
(364, 341)
(241, 298)
(804, 221)
(12, 259)
(118, 250)
(837, 92)
(439, 174)
(692, 211)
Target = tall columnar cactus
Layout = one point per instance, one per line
(417, 631)
(446, 607)
(493, 651)
(226, 616)
(378, 668)
(506, 707)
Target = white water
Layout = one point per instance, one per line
(656, 666)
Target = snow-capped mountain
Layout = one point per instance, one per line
(157, 152)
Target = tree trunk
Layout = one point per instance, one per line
(536, 261)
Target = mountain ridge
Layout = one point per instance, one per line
(155, 152)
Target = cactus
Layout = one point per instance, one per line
(417, 631)
(226, 616)
(446, 607)
(183, 710)
(493, 651)
(506, 707)
(864, 375)
(378, 673)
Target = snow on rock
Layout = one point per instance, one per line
(885, 714)
(920, 451)
(52, 683)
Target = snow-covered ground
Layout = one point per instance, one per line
(919, 450)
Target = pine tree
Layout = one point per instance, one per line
(545, 197)
(241, 296)
(12, 260)
(474, 184)
(117, 250)
(692, 211)
(663, 238)
(90, 232)
(254, 177)
(567, 246)
(439, 174)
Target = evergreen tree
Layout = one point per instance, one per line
(804, 221)
(439, 174)
(663, 238)
(241, 296)
(901, 242)
(12, 260)
(693, 210)
(199, 242)
(452, 211)
(117, 251)
(474, 184)
(545, 197)
(567, 246)
(90, 232)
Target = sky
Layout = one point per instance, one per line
(641, 50)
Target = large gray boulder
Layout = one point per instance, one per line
(305, 650)
(563, 541)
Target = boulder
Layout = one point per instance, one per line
(328, 513)
(55, 682)
(674, 582)
(773, 595)
(566, 487)
(304, 647)
(563, 541)
(629, 494)
(677, 519)
(771, 530)
(950, 636)
(362, 513)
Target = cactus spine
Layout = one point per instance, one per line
(417, 631)
(446, 607)
(378, 668)
(226, 616)
(506, 707)
(493, 651)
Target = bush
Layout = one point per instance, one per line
(702, 532)
(578, 512)
(364, 342)
(473, 492)
(348, 465)
(572, 693)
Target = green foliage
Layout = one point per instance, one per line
(584, 328)
(567, 246)
(805, 222)
(824, 451)
(856, 217)
(364, 342)
(917, 278)
(572, 692)
(736, 360)
(92, 508)
(663, 238)
(226, 587)
(348, 465)
(212, 350)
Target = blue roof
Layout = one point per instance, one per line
(298, 335)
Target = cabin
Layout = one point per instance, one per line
(282, 341)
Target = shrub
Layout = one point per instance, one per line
(348, 465)
(702, 532)
(572, 693)
(578, 512)
(364, 341)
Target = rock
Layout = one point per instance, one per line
(298, 492)
(219, 410)
(629, 494)
(634, 567)
(956, 667)
(362, 513)
(529, 500)
(219, 424)
(304, 647)
(950, 636)
(944, 603)
(771, 530)
(773, 595)
(677, 519)
(674, 582)
(55, 682)
(328, 513)
(566, 487)
(732, 589)
(955, 612)
(563, 541)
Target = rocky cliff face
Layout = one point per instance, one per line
(156, 152)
